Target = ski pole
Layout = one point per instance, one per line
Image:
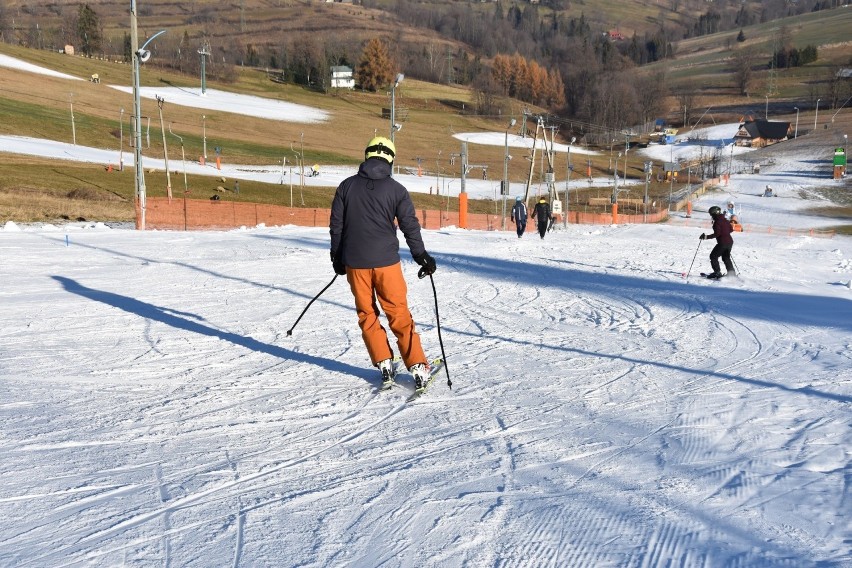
(686, 275)
(290, 331)
(421, 273)
(736, 268)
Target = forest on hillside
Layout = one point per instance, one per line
(576, 66)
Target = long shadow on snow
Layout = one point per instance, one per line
(821, 311)
(307, 295)
(780, 307)
(180, 320)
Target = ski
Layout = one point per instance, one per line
(435, 367)
(709, 276)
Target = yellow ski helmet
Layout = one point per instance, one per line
(380, 147)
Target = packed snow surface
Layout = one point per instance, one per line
(609, 407)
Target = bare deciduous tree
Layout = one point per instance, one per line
(743, 68)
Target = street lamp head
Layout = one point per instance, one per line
(143, 55)
(512, 123)
(399, 79)
(573, 139)
(397, 127)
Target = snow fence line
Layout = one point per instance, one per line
(201, 214)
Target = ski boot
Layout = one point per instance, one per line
(388, 372)
(420, 372)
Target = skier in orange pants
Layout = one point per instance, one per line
(365, 247)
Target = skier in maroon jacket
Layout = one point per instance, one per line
(724, 242)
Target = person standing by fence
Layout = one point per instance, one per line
(519, 216)
(541, 214)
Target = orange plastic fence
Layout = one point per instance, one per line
(200, 214)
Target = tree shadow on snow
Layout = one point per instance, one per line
(191, 322)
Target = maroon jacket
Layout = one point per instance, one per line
(722, 231)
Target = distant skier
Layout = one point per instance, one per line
(364, 246)
(731, 211)
(519, 216)
(724, 242)
(541, 214)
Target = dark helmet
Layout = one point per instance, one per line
(715, 210)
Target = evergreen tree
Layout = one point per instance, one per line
(375, 69)
(89, 30)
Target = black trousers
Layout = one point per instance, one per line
(542, 227)
(725, 252)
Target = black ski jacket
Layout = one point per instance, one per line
(363, 215)
(541, 212)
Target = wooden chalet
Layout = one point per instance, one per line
(759, 133)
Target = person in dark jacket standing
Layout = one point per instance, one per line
(519, 216)
(724, 242)
(541, 214)
(365, 247)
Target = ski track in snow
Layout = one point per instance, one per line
(605, 411)
(589, 424)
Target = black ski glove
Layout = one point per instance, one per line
(427, 262)
(702, 237)
(339, 268)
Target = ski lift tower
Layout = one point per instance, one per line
(204, 52)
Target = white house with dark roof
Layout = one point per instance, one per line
(342, 78)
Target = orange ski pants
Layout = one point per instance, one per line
(387, 285)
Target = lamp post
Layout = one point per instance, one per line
(204, 135)
(796, 134)
(505, 189)
(140, 55)
(766, 113)
(396, 83)
(816, 114)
